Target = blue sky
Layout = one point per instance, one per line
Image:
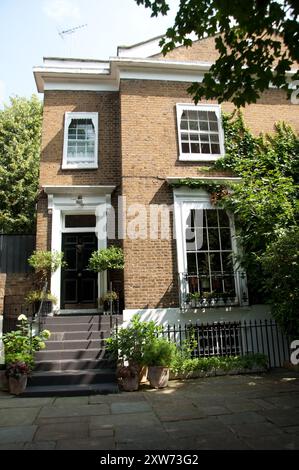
(30, 30)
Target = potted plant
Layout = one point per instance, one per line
(105, 259)
(128, 377)
(128, 344)
(35, 297)
(110, 297)
(44, 264)
(19, 349)
(158, 356)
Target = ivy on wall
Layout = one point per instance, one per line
(266, 209)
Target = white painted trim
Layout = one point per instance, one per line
(142, 49)
(173, 316)
(69, 116)
(161, 75)
(204, 157)
(68, 85)
(86, 190)
(184, 200)
(61, 204)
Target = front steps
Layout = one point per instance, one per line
(75, 361)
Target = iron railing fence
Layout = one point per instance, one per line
(232, 339)
(216, 289)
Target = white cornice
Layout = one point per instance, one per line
(76, 189)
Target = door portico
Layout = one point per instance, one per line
(77, 200)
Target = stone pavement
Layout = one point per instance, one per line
(229, 412)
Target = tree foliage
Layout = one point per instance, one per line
(266, 209)
(257, 42)
(20, 133)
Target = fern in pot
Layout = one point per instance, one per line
(159, 354)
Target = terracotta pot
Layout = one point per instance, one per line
(129, 384)
(158, 376)
(17, 386)
(143, 371)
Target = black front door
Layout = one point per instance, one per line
(79, 286)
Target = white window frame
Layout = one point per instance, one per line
(67, 121)
(200, 157)
(184, 201)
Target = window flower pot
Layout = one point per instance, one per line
(17, 386)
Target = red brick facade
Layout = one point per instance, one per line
(138, 149)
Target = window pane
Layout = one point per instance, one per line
(87, 220)
(190, 239)
(203, 263)
(212, 218)
(204, 126)
(185, 147)
(201, 239)
(195, 148)
(214, 239)
(225, 239)
(193, 125)
(215, 262)
(205, 148)
(204, 137)
(212, 116)
(191, 263)
(227, 262)
(223, 218)
(184, 124)
(203, 115)
(215, 149)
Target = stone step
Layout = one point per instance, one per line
(60, 365)
(100, 319)
(70, 390)
(77, 327)
(72, 377)
(70, 344)
(75, 354)
(77, 335)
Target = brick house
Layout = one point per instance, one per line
(120, 133)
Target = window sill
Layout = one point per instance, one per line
(79, 167)
(186, 157)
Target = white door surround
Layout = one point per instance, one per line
(75, 200)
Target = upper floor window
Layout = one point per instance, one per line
(200, 132)
(80, 141)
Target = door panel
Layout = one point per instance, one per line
(78, 284)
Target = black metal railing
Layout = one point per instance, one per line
(217, 289)
(232, 339)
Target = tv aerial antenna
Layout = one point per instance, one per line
(71, 30)
(68, 33)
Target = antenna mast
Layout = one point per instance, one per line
(70, 31)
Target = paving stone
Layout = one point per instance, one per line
(263, 404)
(255, 429)
(130, 407)
(61, 401)
(278, 442)
(47, 445)
(242, 405)
(242, 418)
(285, 401)
(55, 432)
(18, 416)
(106, 443)
(291, 429)
(177, 413)
(165, 444)
(195, 427)
(215, 410)
(125, 397)
(282, 417)
(73, 410)
(17, 434)
(65, 419)
(220, 441)
(127, 434)
(104, 432)
(26, 402)
(18, 446)
(124, 419)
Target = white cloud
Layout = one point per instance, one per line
(60, 9)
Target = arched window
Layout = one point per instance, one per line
(80, 141)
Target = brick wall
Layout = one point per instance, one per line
(151, 154)
(14, 287)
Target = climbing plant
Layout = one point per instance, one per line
(264, 203)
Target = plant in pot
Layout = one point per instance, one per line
(44, 264)
(35, 297)
(127, 345)
(19, 349)
(107, 259)
(159, 354)
(109, 301)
